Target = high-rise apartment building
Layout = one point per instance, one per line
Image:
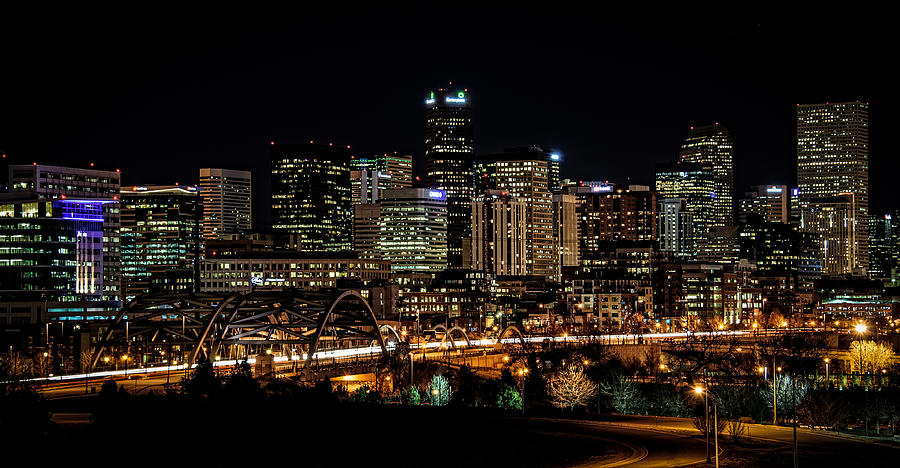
(449, 153)
(832, 219)
(413, 230)
(161, 238)
(227, 207)
(55, 183)
(565, 231)
(498, 234)
(675, 228)
(524, 174)
(769, 202)
(311, 195)
(694, 184)
(613, 213)
(712, 145)
(882, 248)
(833, 159)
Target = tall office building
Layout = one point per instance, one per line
(675, 228)
(524, 173)
(398, 166)
(565, 231)
(449, 152)
(882, 239)
(498, 234)
(712, 145)
(769, 202)
(833, 159)
(161, 238)
(311, 195)
(53, 182)
(227, 207)
(694, 184)
(832, 220)
(413, 234)
(366, 229)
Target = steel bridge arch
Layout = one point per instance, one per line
(514, 330)
(392, 330)
(286, 317)
(449, 333)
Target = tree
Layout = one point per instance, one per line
(570, 387)
(824, 408)
(85, 359)
(43, 364)
(509, 398)
(624, 395)
(869, 356)
(412, 396)
(440, 391)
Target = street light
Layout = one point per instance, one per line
(705, 392)
(827, 361)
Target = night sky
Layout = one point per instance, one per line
(160, 93)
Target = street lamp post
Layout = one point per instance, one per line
(775, 395)
(827, 361)
(715, 427)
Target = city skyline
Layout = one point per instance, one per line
(557, 106)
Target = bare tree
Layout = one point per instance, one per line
(14, 365)
(43, 364)
(624, 395)
(570, 386)
(869, 356)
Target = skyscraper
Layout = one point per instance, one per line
(413, 234)
(311, 195)
(832, 219)
(565, 231)
(613, 213)
(161, 237)
(675, 227)
(833, 159)
(227, 207)
(449, 153)
(524, 173)
(769, 202)
(498, 234)
(712, 145)
(695, 185)
(398, 166)
(882, 246)
(54, 183)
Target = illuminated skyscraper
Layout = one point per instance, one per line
(227, 207)
(161, 237)
(565, 231)
(449, 153)
(712, 145)
(311, 195)
(413, 234)
(833, 159)
(524, 174)
(882, 248)
(832, 219)
(694, 184)
(398, 166)
(675, 227)
(613, 213)
(770, 202)
(498, 234)
(56, 183)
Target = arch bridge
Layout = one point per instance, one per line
(185, 327)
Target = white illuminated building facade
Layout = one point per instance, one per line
(413, 230)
